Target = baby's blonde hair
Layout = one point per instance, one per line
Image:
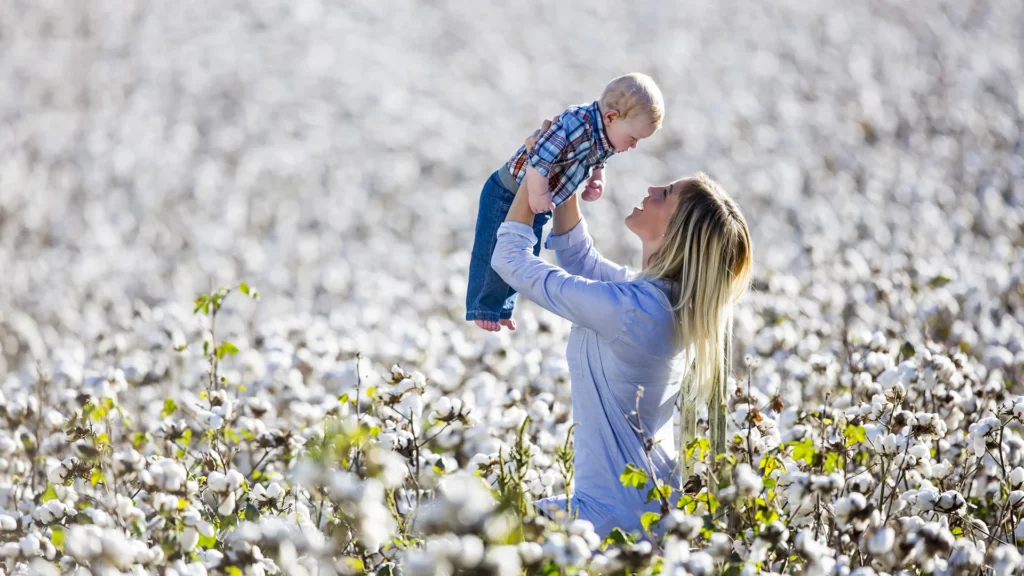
(634, 94)
(708, 255)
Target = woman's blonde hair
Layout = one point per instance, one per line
(634, 94)
(707, 255)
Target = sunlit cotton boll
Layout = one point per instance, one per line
(748, 484)
(1004, 560)
(1017, 478)
(881, 541)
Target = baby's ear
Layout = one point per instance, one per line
(611, 115)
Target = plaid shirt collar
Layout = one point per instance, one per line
(604, 147)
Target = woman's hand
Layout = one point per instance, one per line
(532, 139)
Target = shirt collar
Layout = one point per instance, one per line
(604, 147)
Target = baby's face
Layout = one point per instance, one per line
(625, 134)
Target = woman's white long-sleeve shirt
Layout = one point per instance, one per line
(622, 338)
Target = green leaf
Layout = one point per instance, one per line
(699, 445)
(908, 350)
(649, 518)
(243, 288)
(200, 303)
(138, 439)
(252, 513)
(226, 349)
(855, 435)
(96, 477)
(229, 521)
(665, 491)
(344, 399)
(57, 536)
(770, 464)
(50, 493)
(207, 541)
(769, 482)
(831, 462)
(709, 499)
(957, 531)
(766, 516)
(939, 281)
(687, 504)
(633, 476)
(803, 450)
(552, 569)
(233, 571)
(354, 563)
(618, 536)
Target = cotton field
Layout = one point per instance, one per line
(234, 240)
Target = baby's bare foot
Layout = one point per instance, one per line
(508, 323)
(489, 325)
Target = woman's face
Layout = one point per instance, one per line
(650, 219)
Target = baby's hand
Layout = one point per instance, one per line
(541, 203)
(595, 186)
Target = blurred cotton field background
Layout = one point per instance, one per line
(331, 155)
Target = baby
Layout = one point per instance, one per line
(573, 150)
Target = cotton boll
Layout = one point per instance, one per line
(188, 539)
(8, 523)
(748, 484)
(29, 546)
(10, 550)
(217, 482)
(471, 551)
(881, 541)
(227, 505)
(530, 552)
(1017, 477)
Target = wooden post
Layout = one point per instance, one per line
(717, 427)
(687, 426)
(717, 414)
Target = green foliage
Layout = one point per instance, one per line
(50, 493)
(699, 445)
(618, 537)
(709, 500)
(832, 463)
(804, 450)
(208, 541)
(226, 349)
(658, 492)
(648, 519)
(855, 435)
(687, 504)
(169, 408)
(769, 464)
(633, 476)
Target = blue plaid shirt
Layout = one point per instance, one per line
(566, 153)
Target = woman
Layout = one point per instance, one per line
(634, 336)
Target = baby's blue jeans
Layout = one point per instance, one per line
(488, 296)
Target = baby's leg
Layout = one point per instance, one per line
(486, 294)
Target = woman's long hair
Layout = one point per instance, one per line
(707, 255)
